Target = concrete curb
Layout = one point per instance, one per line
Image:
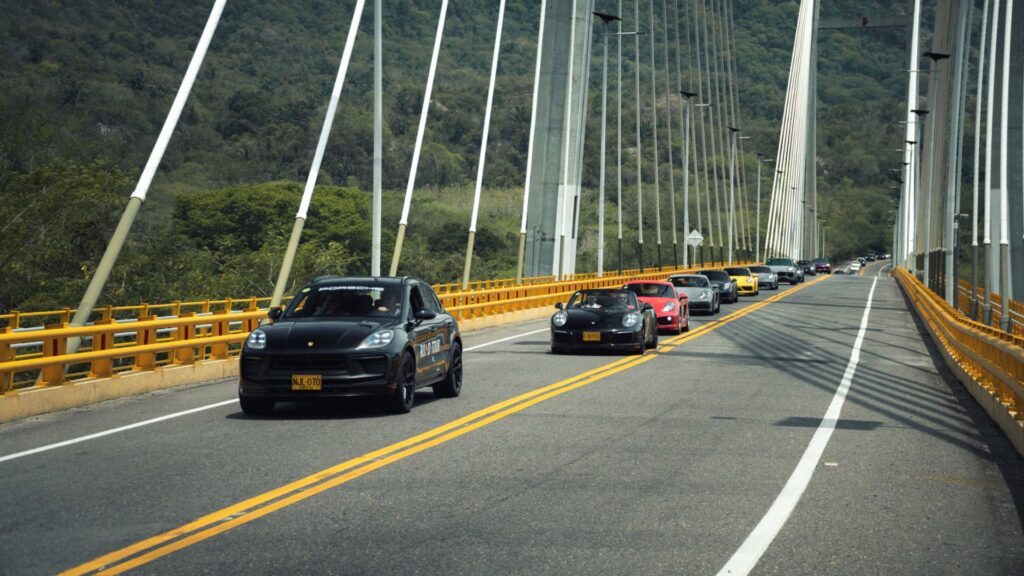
(16, 405)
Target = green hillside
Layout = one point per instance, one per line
(85, 86)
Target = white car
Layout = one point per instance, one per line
(854, 266)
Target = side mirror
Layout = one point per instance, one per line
(559, 306)
(275, 313)
(425, 314)
(648, 307)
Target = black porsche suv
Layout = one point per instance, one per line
(348, 337)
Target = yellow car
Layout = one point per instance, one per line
(746, 281)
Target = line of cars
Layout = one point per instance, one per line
(630, 317)
(344, 337)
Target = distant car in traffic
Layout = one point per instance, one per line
(702, 295)
(346, 337)
(807, 267)
(765, 277)
(671, 309)
(785, 269)
(746, 281)
(603, 319)
(822, 266)
(727, 290)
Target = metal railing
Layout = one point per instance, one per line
(963, 304)
(992, 357)
(134, 338)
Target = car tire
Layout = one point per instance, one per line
(793, 282)
(718, 306)
(653, 342)
(256, 406)
(451, 386)
(557, 350)
(404, 396)
(687, 327)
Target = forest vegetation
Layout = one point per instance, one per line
(85, 87)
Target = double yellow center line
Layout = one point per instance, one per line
(259, 506)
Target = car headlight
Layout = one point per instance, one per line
(668, 307)
(378, 339)
(791, 269)
(705, 294)
(559, 319)
(630, 320)
(257, 340)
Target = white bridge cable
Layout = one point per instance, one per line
(424, 112)
(138, 196)
(780, 184)
(314, 170)
(483, 144)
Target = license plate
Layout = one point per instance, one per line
(591, 336)
(306, 382)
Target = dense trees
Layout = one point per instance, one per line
(86, 85)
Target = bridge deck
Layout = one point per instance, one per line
(661, 464)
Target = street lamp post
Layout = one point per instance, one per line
(757, 245)
(926, 199)
(688, 98)
(605, 18)
(732, 186)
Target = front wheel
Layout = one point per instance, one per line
(653, 342)
(404, 396)
(451, 386)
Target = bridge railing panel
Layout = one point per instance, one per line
(149, 336)
(991, 357)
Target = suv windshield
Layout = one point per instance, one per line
(737, 272)
(779, 262)
(760, 269)
(347, 301)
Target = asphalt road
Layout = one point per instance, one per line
(719, 452)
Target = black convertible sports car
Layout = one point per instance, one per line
(345, 337)
(604, 319)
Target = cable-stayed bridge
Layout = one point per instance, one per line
(854, 423)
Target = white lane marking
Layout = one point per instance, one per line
(187, 412)
(485, 344)
(113, 431)
(750, 552)
(883, 270)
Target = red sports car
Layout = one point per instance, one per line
(672, 310)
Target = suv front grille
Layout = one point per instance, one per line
(309, 362)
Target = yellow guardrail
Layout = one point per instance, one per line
(133, 338)
(1016, 307)
(991, 357)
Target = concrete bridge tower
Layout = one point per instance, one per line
(557, 154)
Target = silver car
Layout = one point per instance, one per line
(765, 277)
(700, 292)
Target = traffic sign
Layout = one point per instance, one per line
(695, 239)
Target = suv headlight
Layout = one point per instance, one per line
(668, 307)
(630, 320)
(257, 340)
(705, 294)
(377, 339)
(559, 319)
